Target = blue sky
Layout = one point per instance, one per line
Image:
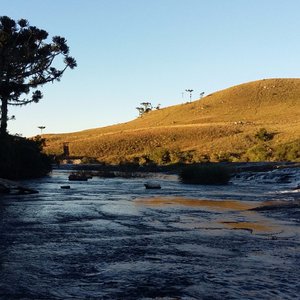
(132, 51)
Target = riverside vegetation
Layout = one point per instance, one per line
(255, 121)
(22, 158)
(205, 174)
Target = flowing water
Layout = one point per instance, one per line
(113, 239)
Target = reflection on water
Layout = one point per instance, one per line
(235, 210)
(251, 226)
(113, 239)
(222, 205)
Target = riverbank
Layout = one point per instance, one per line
(235, 168)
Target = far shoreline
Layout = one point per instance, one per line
(234, 167)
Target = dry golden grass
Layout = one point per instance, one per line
(222, 122)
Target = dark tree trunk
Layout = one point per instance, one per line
(3, 125)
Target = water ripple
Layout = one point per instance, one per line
(104, 239)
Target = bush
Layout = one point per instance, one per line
(261, 152)
(203, 158)
(163, 156)
(21, 158)
(187, 156)
(160, 156)
(226, 157)
(205, 174)
(288, 152)
(142, 160)
(89, 160)
(263, 135)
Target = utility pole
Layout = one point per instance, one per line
(190, 91)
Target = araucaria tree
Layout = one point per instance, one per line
(27, 60)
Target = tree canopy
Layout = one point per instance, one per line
(26, 62)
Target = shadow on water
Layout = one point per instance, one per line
(110, 238)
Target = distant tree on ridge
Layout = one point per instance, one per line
(144, 108)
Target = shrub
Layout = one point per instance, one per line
(187, 156)
(204, 158)
(143, 160)
(263, 135)
(160, 156)
(89, 160)
(261, 152)
(205, 174)
(288, 152)
(21, 158)
(226, 157)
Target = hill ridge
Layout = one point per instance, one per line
(222, 122)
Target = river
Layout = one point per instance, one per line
(110, 238)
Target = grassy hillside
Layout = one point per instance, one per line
(221, 126)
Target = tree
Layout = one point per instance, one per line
(190, 91)
(41, 128)
(144, 108)
(26, 62)
(147, 106)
